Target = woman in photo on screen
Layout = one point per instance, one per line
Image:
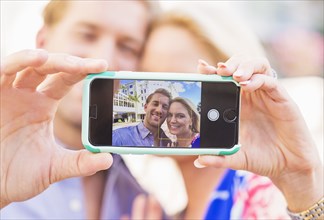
(183, 122)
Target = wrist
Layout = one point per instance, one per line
(302, 189)
(3, 195)
(316, 211)
(3, 203)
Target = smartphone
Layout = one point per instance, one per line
(160, 113)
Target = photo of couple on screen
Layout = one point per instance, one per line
(157, 114)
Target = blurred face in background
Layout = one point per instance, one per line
(110, 30)
(173, 49)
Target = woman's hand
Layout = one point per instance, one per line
(274, 136)
(32, 84)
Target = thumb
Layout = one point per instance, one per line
(69, 163)
(236, 161)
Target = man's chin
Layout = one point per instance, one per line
(155, 124)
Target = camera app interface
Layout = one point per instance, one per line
(156, 114)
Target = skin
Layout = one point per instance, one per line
(156, 112)
(289, 156)
(179, 122)
(28, 107)
(34, 112)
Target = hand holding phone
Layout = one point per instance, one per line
(160, 113)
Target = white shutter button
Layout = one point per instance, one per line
(213, 114)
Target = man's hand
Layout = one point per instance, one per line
(145, 207)
(273, 134)
(32, 84)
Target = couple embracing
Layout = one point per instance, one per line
(181, 116)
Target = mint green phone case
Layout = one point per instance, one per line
(148, 150)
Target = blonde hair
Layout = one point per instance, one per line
(222, 35)
(56, 9)
(192, 110)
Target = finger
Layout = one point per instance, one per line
(236, 161)
(205, 68)
(266, 83)
(19, 61)
(68, 163)
(139, 209)
(242, 67)
(32, 77)
(56, 86)
(249, 67)
(29, 79)
(223, 70)
(230, 66)
(154, 210)
(124, 217)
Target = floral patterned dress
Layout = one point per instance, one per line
(244, 195)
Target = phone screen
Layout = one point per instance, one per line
(151, 113)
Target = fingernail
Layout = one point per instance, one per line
(244, 83)
(198, 165)
(203, 62)
(221, 65)
(212, 69)
(238, 73)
